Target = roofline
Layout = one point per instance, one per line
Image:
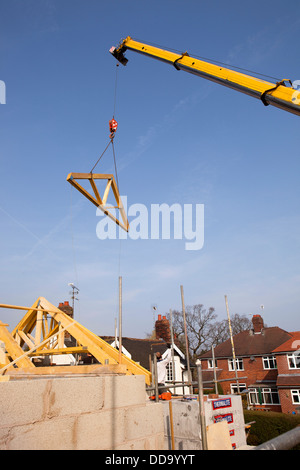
(237, 356)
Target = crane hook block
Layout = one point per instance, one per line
(113, 125)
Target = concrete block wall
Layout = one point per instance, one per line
(186, 425)
(108, 412)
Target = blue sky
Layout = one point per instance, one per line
(180, 140)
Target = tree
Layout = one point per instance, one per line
(199, 323)
(238, 322)
(203, 329)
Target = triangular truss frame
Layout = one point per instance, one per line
(96, 199)
(41, 332)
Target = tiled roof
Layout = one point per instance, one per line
(288, 380)
(292, 344)
(140, 349)
(247, 343)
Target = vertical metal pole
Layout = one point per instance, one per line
(232, 345)
(214, 366)
(186, 340)
(120, 319)
(172, 340)
(201, 408)
(156, 376)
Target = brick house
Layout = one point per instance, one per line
(267, 363)
(288, 379)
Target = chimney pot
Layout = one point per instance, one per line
(159, 317)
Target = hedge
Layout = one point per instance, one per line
(268, 425)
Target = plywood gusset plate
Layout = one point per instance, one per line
(42, 331)
(96, 199)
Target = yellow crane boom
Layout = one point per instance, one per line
(275, 94)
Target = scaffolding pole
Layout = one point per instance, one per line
(285, 441)
(201, 408)
(186, 339)
(232, 346)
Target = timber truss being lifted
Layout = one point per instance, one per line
(96, 199)
(41, 333)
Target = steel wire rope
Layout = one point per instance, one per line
(100, 156)
(73, 243)
(115, 96)
(115, 165)
(116, 171)
(115, 100)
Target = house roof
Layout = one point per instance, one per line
(292, 344)
(208, 378)
(140, 349)
(248, 343)
(288, 380)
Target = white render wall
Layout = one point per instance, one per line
(108, 412)
(228, 408)
(186, 421)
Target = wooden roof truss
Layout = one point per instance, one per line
(41, 332)
(101, 201)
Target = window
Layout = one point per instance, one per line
(263, 396)
(170, 375)
(294, 360)
(211, 363)
(234, 387)
(295, 396)
(239, 364)
(269, 362)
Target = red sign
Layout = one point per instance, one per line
(228, 417)
(221, 403)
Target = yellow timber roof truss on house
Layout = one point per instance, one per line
(42, 330)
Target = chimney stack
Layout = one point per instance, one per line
(66, 308)
(258, 323)
(162, 329)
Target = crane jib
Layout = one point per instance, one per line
(275, 94)
(265, 97)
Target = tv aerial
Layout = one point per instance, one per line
(74, 292)
(154, 310)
